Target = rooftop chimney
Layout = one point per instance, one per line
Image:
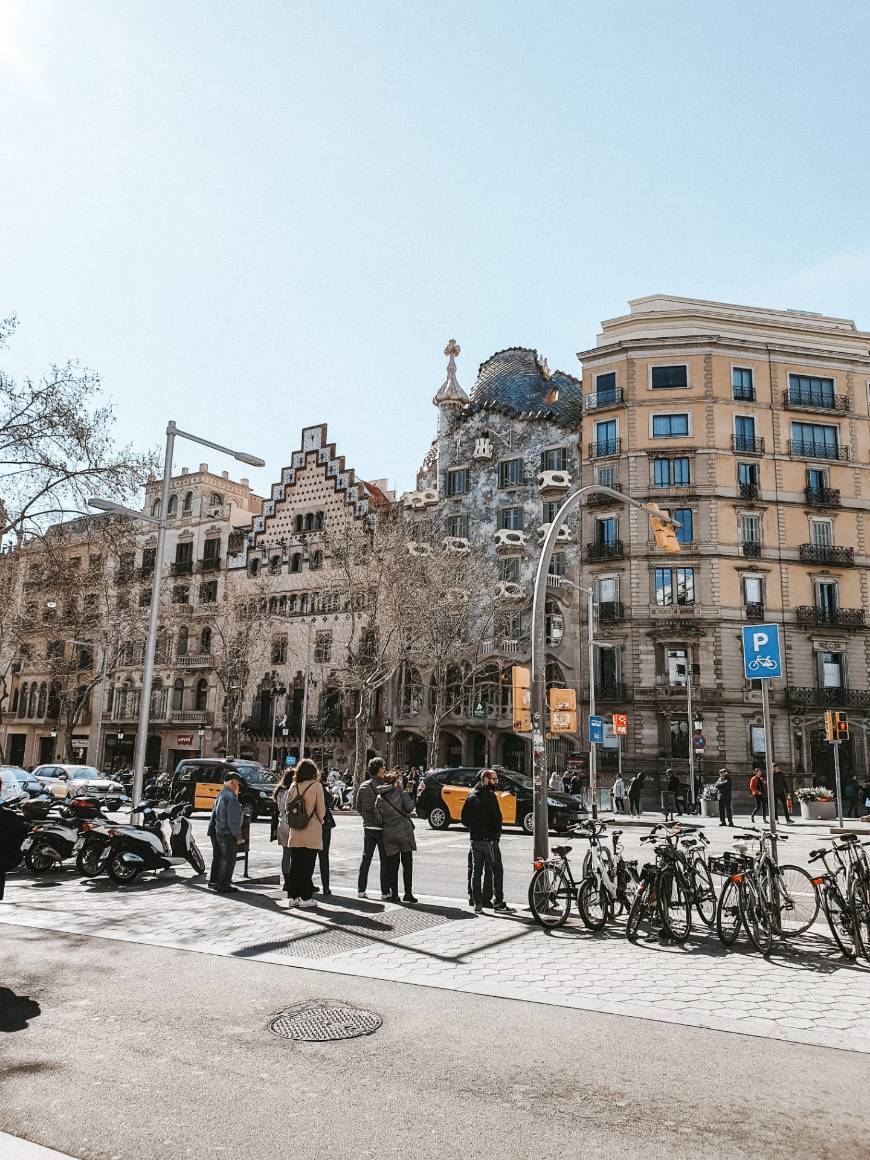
(203, 467)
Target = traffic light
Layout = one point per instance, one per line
(663, 530)
(829, 725)
(842, 723)
(521, 680)
(563, 710)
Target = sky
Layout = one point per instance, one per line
(252, 217)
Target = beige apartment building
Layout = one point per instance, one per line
(751, 427)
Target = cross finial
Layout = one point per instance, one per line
(450, 391)
(452, 349)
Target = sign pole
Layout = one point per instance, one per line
(593, 749)
(836, 745)
(768, 765)
(691, 731)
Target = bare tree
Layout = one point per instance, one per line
(56, 448)
(13, 628)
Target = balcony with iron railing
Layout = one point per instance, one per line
(145, 572)
(210, 564)
(749, 491)
(752, 549)
(613, 551)
(807, 400)
(508, 646)
(754, 610)
(194, 660)
(181, 567)
(610, 691)
(603, 399)
(799, 698)
(826, 554)
(747, 444)
(610, 611)
(809, 615)
(811, 449)
(822, 496)
(190, 716)
(744, 393)
(603, 447)
(597, 498)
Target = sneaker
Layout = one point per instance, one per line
(361, 894)
(306, 904)
(293, 902)
(478, 910)
(503, 908)
(385, 897)
(470, 900)
(408, 898)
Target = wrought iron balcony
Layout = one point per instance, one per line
(610, 611)
(796, 697)
(804, 400)
(749, 491)
(181, 567)
(612, 551)
(597, 498)
(743, 393)
(810, 449)
(747, 444)
(603, 447)
(602, 399)
(826, 554)
(210, 564)
(754, 610)
(752, 549)
(808, 614)
(190, 717)
(822, 496)
(194, 660)
(610, 691)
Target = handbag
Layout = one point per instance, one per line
(295, 812)
(401, 813)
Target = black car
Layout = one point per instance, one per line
(444, 791)
(199, 780)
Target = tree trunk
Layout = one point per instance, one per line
(361, 729)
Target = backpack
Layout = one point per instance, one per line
(295, 813)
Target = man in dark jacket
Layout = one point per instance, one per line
(482, 815)
(373, 837)
(723, 788)
(780, 793)
(224, 829)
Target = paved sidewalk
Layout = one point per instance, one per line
(805, 993)
(13, 1148)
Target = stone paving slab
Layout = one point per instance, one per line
(805, 993)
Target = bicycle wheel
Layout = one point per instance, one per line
(606, 861)
(728, 917)
(756, 914)
(859, 903)
(593, 903)
(796, 899)
(674, 906)
(550, 896)
(642, 913)
(704, 891)
(842, 921)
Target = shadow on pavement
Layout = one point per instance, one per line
(16, 1010)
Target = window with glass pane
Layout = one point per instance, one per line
(685, 585)
(815, 439)
(549, 510)
(750, 529)
(741, 383)
(606, 476)
(509, 569)
(747, 473)
(817, 478)
(756, 740)
(606, 530)
(662, 472)
(457, 526)
(821, 533)
(827, 596)
(510, 518)
(457, 481)
(605, 437)
(810, 390)
(605, 387)
(831, 670)
(680, 472)
(685, 532)
(744, 433)
(554, 459)
(753, 590)
(558, 564)
(670, 426)
(510, 473)
(677, 663)
(676, 376)
(664, 586)
(606, 589)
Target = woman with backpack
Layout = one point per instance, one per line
(395, 810)
(301, 814)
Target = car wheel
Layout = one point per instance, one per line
(528, 823)
(248, 811)
(439, 818)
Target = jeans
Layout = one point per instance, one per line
(323, 860)
(781, 801)
(725, 808)
(759, 807)
(619, 803)
(634, 804)
(223, 860)
(300, 880)
(486, 865)
(372, 840)
(406, 857)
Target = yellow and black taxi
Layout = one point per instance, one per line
(199, 780)
(444, 791)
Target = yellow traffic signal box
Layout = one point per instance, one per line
(563, 710)
(664, 532)
(521, 680)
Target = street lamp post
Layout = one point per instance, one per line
(154, 612)
(388, 729)
(201, 733)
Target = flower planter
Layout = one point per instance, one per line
(709, 809)
(819, 811)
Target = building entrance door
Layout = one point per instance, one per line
(822, 759)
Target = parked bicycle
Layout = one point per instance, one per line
(609, 881)
(693, 849)
(662, 903)
(845, 894)
(552, 888)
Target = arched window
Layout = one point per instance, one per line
(555, 676)
(24, 712)
(554, 622)
(411, 693)
(54, 700)
(316, 561)
(15, 701)
(127, 700)
(254, 567)
(205, 640)
(486, 693)
(172, 507)
(187, 506)
(296, 562)
(273, 605)
(201, 697)
(155, 508)
(178, 695)
(216, 499)
(156, 698)
(43, 700)
(275, 565)
(181, 645)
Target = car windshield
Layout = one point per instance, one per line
(253, 772)
(85, 772)
(507, 777)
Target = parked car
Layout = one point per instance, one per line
(71, 780)
(13, 783)
(444, 791)
(34, 799)
(198, 781)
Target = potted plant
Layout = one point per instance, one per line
(709, 802)
(817, 803)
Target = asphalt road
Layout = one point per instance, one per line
(113, 1051)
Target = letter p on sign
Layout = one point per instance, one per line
(759, 640)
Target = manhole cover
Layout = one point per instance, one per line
(318, 1022)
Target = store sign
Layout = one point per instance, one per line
(183, 739)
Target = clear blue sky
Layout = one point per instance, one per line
(256, 216)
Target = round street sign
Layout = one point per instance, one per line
(699, 741)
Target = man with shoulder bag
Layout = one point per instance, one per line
(482, 815)
(373, 835)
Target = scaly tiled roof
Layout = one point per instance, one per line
(518, 381)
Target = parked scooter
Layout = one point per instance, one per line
(132, 850)
(53, 841)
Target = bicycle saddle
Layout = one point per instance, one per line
(814, 854)
(849, 838)
(562, 851)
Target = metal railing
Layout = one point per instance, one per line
(742, 394)
(809, 614)
(602, 399)
(181, 567)
(754, 610)
(752, 549)
(826, 554)
(810, 449)
(749, 491)
(602, 447)
(822, 496)
(210, 564)
(612, 551)
(796, 696)
(610, 611)
(793, 397)
(747, 444)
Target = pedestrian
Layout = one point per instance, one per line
(780, 794)
(758, 789)
(13, 831)
(669, 798)
(395, 809)
(850, 796)
(224, 830)
(373, 838)
(323, 853)
(723, 790)
(482, 815)
(865, 795)
(300, 831)
(577, 786)
(635, 788)
(619, 794)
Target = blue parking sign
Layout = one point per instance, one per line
(596, 730)
(761, 654)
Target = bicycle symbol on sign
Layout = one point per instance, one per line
(761, 663)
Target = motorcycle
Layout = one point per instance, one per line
(129, 851)
(54, 841)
